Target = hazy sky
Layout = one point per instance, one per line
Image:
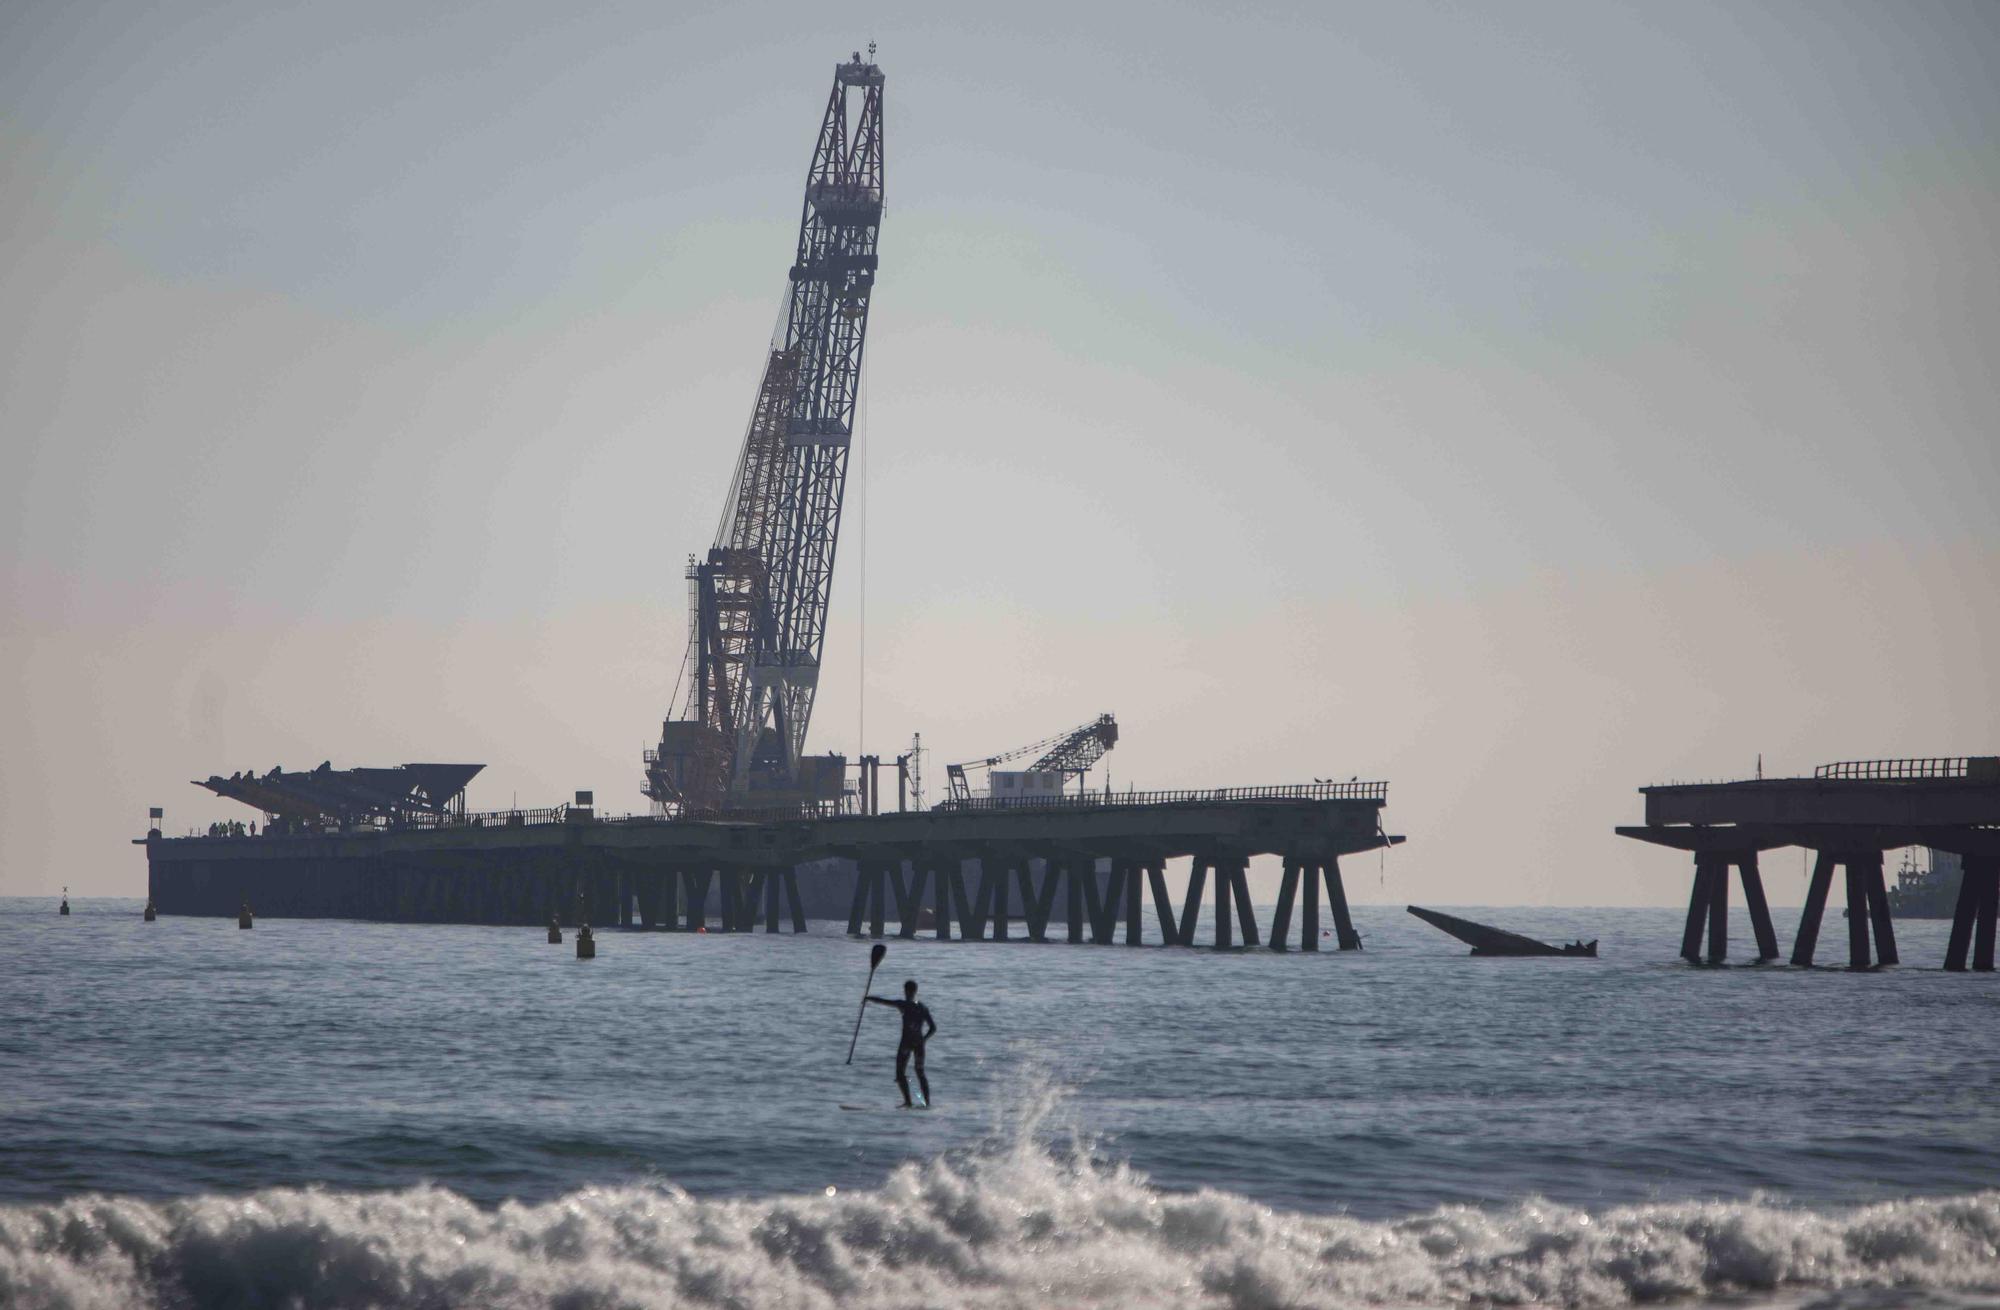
(1521, 403)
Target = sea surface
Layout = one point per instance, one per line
(339, 1114)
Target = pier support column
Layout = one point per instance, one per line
(878, 895)
(1760, 909)
(1163, 906)
(649, 899)
(1075, 870)
(1281, 915)
(997, 900)
(791, 881)
(1191, 906)
(1697, 916)
(1239, 884)
(1100, 896)
(857, 904)
(1708, 908)
(1975, 872)
(1040, 905)
(1973, 921)
(1857, 916)
(773, 888)
(1718, 911)
(974, 912)
(1224, 893)
(1336, 899)
(941, 899)
(1309, 912)
(1864, 880)
(1989, 911)
(1878, 908)
(622, 890)
(909, 899)
(1814, 911)
(1127, 871)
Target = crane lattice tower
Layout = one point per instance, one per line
(758, 601)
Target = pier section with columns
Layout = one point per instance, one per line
(1848, 814)
(1082, 868)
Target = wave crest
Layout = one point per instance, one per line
(1017, 1226)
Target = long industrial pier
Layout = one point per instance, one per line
(1086, 863)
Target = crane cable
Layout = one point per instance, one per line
(861, 507)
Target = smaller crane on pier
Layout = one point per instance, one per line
(1065, 754)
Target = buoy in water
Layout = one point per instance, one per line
(243, 919)
(64, 909)
(151, 913)
(555, 931)
(586, 945)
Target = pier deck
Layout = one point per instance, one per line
(962, 870)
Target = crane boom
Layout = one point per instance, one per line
(1072, 752)
(758, 601)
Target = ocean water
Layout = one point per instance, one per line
(341, 1114)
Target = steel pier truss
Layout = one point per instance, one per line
(758, 602)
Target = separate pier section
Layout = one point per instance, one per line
(1849, 814)
(964, 869)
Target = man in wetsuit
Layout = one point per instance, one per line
(917, 1029)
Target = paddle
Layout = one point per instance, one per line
(874, 963)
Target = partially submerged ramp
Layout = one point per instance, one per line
(1488, 940)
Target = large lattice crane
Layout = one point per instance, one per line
(1069, 753)
(758, 602)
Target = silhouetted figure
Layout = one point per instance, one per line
(917, 1029)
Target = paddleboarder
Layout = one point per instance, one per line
(917, 1029)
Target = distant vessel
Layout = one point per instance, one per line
(1926, 889)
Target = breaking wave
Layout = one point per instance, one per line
(1017, 1224)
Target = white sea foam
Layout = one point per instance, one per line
(1018, 1225)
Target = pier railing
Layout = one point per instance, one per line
(1979, 768)
(545, 816)
(516, 818)
(1309, 791)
